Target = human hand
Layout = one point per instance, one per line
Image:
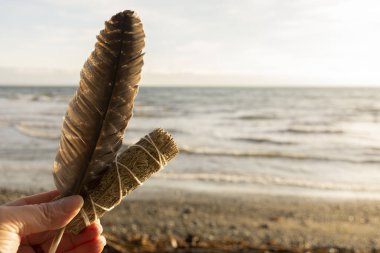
(28, 225)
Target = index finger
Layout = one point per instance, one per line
(35, 199)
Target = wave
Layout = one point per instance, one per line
(148, 130)
(186, 150)
(268, 180)
(264, 140)
(146, 114)
(39, 130)
(270, 154)
(372, 110)
(313, 130)
(257, 117)
(51, 131)
(247, 153)
(43, 97)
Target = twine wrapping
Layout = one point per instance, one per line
(132, 167)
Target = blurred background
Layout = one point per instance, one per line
(274, 104)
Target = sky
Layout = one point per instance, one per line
(200, 42)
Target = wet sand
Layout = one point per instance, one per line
(165, 220)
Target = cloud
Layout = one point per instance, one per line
(255, 41)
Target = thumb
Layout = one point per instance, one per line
(46, 216)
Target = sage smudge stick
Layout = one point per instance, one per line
(133, 166)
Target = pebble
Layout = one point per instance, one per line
(173, 242)
(188, 210)
(192, 240)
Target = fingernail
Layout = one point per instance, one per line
(71, 203)
(103, 240)
(99, 226)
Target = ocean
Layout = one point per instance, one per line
(321, 142)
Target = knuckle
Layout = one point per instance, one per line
(47, 213)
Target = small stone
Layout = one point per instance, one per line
(211, 224)
(144, 239)
(171, 224)
(274, 218)
(195, 222)
(233, 227)
(173, 242)
(187, 210)
(192, 240)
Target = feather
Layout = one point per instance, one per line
(98, 114)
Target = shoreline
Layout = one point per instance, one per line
(168, 220)
(163, 182)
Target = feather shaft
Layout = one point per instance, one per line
(98, 114)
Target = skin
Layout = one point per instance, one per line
(28, 225)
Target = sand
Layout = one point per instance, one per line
(178, 220)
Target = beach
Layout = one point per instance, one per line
(167, 220)
(284, 170)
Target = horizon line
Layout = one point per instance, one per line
(212, 85)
